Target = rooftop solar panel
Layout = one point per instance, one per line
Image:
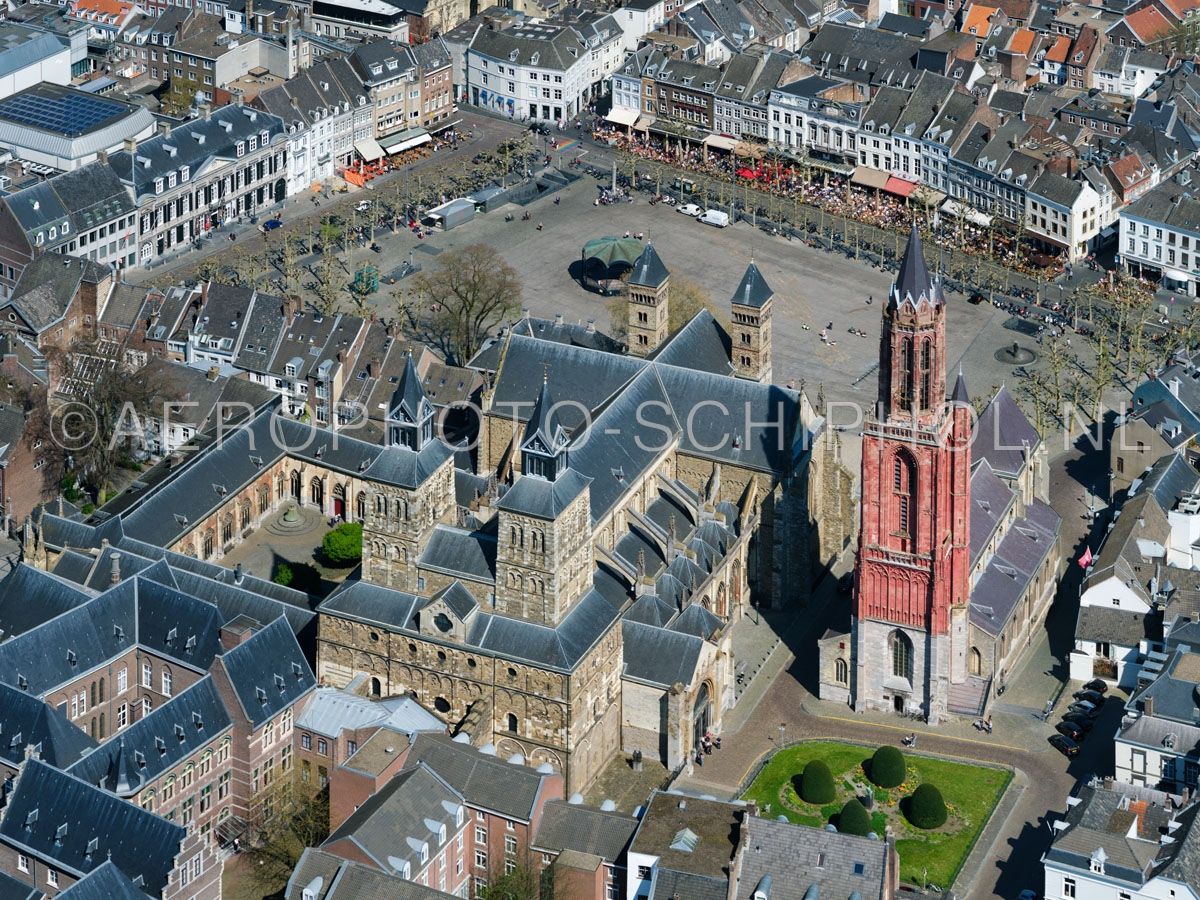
(71, 114)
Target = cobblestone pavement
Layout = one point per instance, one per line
(1005, 860)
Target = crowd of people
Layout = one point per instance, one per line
(832, 194)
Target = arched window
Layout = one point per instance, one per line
(376, 687)
(841, 671)
(975, 662)
(102, 689)
(264, 499)
(227, 529)
(926, 368)
(101, 726)
(360, 506)
(902, 654)
(511, 722)
(906, 374)
(92, 692)
(245, 515)
(208, 544)
(904, 486)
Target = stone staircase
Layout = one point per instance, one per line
(970, 697)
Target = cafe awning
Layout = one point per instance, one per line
(643, 123)
(928, 196)
(870, 178)
(369, 149)
(622, 116)
(953, 208)
(406, 140)
(720, 142)
(900, 187)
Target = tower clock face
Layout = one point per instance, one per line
(443, 623)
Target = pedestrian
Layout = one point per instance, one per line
(699, 759)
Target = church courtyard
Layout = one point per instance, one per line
(292, 538)
(932, 857)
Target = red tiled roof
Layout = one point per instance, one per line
(978, 20)
(1058, 53)
(1022, 41)
(1147, 24)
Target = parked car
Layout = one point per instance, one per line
(1073, 730)
(690, 209)
(1090, 697)
(716, 218)
(363, 205)
(1064, 745)
(1083, 720)
(272, 224)
(1085, 706)
(1099, 685)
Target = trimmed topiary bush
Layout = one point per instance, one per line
(926, 808)
(888, 767)
(342, 546)
(816, 784)
(853, 819)
(283, 574)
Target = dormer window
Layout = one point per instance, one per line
(253, 142)
(158, 184)
(53, 232)
(241, 148)
(66, 226)
(185, 173)
(171, 180)
(265, 138)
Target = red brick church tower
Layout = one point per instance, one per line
(912, 580)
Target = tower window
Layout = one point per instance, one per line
(904, 485)
(926, 354)
(906, 368)
(902, 653)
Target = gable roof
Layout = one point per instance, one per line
(43, 800)
(1003, 435)
(26, 720)
(568, 826)
(268, 672)
(484, 781)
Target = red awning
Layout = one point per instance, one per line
(900, 187)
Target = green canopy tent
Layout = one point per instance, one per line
(608, 258)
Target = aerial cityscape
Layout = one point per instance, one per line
(600, 450)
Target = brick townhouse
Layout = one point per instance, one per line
(262, 677)
(176, 762)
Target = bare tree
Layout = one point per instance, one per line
(467, 293)
(286, 821)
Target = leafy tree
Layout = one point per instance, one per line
(925, 808)
(179, 96)
(467, 293)
(342, 546)
(283, 574)
(816, 784)
(854, 819)
(887, 767)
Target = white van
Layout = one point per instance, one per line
(715, 217)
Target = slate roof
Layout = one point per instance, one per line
(105, 882)
(268, 672)
(48, 285)
(543, 499)
(1122, 627)
(990, 500)
(657, 656)
(12, 889)
(26, 720)
(200, 144)
(702, 344)
(485, 782)
(141, 844)
(913, 282)
(1011, 570)
(752, 290)
(1123, 823)
(566, 826)
(456, 551)
(322, 876)
(1001, 434)
(798, 858)
(393, 824)
(649, 270)
(55, 595)
(155, 743)
(1168, 479)
(163, 620)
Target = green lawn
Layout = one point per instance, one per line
(971, 793)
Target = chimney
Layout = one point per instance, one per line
(1173, 384)
(213, 373)
(164, 128)
(236, 632)
(558, 318)
(115, 578)
(237, 574)
(1148, 706)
